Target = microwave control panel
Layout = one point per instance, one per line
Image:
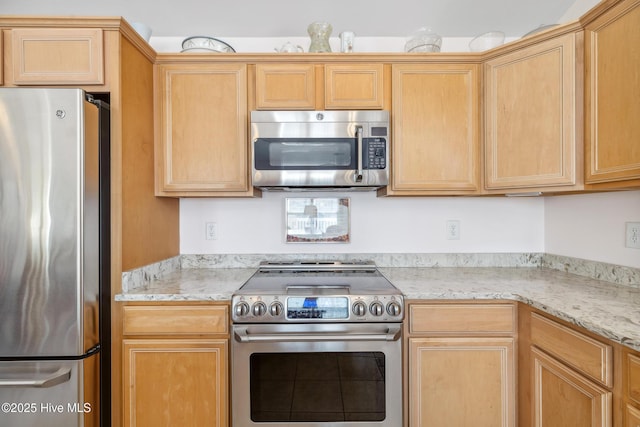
(375, 153)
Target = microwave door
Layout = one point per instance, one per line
(305, 153)
(304, 162)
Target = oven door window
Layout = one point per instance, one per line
(320, 387)
(305, 154)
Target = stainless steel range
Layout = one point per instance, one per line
(317, 344)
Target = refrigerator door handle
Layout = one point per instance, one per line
(58, 377)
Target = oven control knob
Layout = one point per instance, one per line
(241, 309)
(359, 308)
(259, 308)
(276, 309)
(393, 308)
(376, 308)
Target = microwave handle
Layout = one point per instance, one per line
(358, 175)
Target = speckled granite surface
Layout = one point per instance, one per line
(608, 309)
(191, 284)
(602, 298)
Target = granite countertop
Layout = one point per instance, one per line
(607, 309)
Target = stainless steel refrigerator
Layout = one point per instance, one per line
(54, 258)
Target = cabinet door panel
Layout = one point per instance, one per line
(354, 86)
(632, 417)
(531, 120)
(461, 382)
(57, 56)
(2, 60)
(612, 93)
(435, 128)
(203, 129)
(175, 383)
(564, 398)
(285, 87)
(633, 378)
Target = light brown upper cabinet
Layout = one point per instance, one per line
(435, 128)
(201, 130)
(285, 87)
(1, 60)
(67, 56)
(290, 86)
(612, 91)
(532, 117)
(353, 86)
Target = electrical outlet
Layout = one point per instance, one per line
(632, 235)
(453, 229)
(211, 231)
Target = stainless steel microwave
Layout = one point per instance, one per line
(320, 149)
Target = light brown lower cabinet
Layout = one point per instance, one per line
(462, 382)
(633, 417)
(461, 359)
(564, 398)
(569, 377)
(175, 366)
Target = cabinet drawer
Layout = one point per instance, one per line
(57, 56)
(462, 318)
(174, 320)
(583, 353)
(633, 373)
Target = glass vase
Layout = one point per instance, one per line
(319, 33)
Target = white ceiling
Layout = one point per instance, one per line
(285, 18)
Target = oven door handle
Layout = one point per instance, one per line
(242, 335)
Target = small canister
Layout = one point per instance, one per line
(346, 41)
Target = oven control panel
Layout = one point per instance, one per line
(306, 309)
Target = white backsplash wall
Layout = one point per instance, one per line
(378, 225)
(592, 226)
